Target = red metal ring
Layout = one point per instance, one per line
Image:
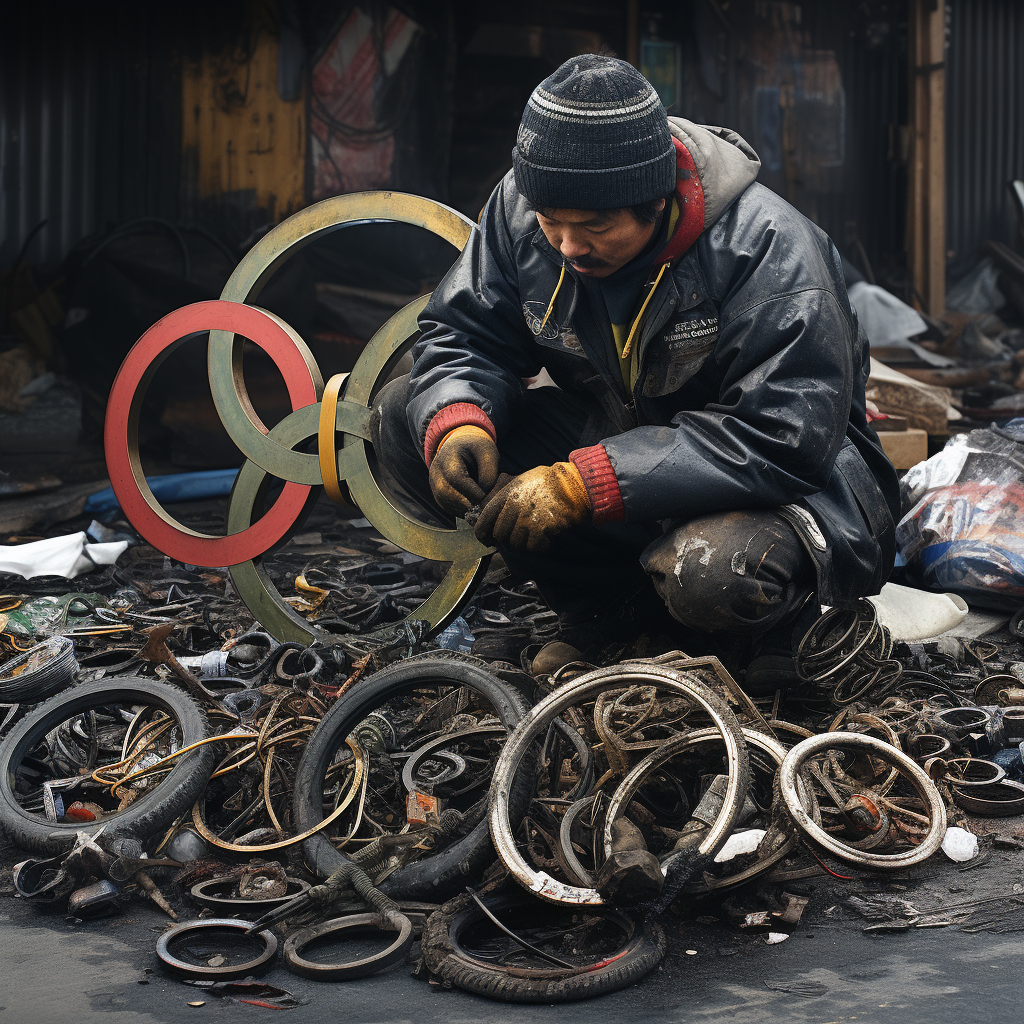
(120, 433)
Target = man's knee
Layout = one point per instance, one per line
(733, 572)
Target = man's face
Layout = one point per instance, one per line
(596, 242)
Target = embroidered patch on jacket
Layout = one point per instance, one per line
(684, 334)
(533, 312)
(681, 352)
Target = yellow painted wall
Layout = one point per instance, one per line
(237, 133)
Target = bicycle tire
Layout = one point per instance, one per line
(583, 688)
(434, 877)
(33, 684)
(814, 833)
(447, 959)
(153, 811)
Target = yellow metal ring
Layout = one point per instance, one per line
(327, 450)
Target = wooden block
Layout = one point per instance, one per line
(905, 448)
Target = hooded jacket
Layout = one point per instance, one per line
(751, 365)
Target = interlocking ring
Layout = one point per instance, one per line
(230, 320)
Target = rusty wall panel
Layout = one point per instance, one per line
(241, 141)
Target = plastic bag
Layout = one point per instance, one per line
(963, 523)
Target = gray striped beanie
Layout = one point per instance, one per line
(594, 136)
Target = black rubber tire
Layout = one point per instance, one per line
(432, 878)
(32, 685)
(150, 813)
(445, 959)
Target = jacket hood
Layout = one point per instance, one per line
(713, 167)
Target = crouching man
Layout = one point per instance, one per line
(707, 432)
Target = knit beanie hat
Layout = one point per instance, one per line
(594, 136)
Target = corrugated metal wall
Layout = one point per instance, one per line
(89, 122)
(47, 139)
(985, 123)
(867, 206)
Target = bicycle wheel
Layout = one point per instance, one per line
(463, 947)
(441, 873)
(83, 728)
(892, 805)
(586, 687)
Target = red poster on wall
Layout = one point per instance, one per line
(352, 141)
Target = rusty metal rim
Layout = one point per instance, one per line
(172, 962)
(239, 904)
(393, 954)
(634, 780)
(583, 688)
(879, 748)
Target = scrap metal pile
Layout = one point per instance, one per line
(528, 823)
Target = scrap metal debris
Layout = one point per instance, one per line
(162, 746)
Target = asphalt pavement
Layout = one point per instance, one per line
(54, 971)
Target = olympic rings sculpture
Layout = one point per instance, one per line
(339, 416)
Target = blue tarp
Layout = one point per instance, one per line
(208, 483)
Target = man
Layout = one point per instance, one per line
(708, 423)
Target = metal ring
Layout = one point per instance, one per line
(432, 747)
(224, 353)
(261, 596)
(990, 772)
(669, 749)
(928, 745)
(121, 431)
(1013, 722)
(344, 971)
(1001, 800)
(233, 904)
(962, 721)
(327, 428)
(227, 970)
(572, 865)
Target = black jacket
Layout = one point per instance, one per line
(752, 366)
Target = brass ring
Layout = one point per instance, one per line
(224, 354)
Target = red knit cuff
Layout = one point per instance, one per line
(602, 485)
(461, 414)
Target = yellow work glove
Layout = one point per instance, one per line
(534, 507)
(464, 469)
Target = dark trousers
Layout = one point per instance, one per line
(742, 572)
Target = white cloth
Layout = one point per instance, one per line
(58, 556)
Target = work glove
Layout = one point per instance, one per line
(534, 507)
(464, 469)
